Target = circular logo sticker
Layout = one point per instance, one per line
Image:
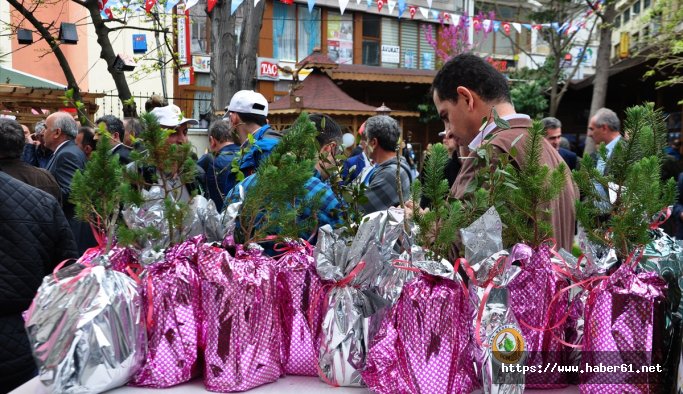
(507, 344)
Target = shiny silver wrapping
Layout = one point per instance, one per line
(86, 329)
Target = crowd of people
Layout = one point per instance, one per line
(38, 228)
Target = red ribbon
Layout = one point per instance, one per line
(665, 214)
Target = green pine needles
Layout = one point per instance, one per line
(528, 191)
(97, 192)
(439, 225)
(275, 203)
(159, 163)
(619, 205)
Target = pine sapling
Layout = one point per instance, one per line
(159, 163)
(276, 202)
(618, 205)
(97, 191)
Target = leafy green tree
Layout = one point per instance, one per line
(668, 42)
(632, 178)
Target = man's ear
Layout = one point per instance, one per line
(88, 150)
(467, 95)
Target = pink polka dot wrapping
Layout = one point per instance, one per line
(624, 324)
(173, 318)
(298, 285)
(530, 294)
(241, 332)
(423, 344)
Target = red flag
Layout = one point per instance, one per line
(446, 17)
(287, 2)
(506, 28)
(149, 4)
(102, 4)
(476, 23)
(412, 10)
(210, 4)
(380, 4)
(537, 27)
(109, 14)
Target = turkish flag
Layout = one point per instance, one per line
(506, 28)
(210, 4)
(380, 4)
(538, 27)
(476, 23)
(412, 10)
(102, 4)
(149, 4)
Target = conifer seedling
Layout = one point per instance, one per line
(618, 206)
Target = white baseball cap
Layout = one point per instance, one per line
(248, 102)
(348, 140)
(171, 116)
(442, 134)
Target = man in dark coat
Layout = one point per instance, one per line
(11, 147)
(60, 132)
(117, 131)
(553, 134)
(34, 237)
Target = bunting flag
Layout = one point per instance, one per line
(234, 5)
(537, 27)
(210, 4)
(526, 26)
(288, 2)
(401, 7)
(256, 2)
(342, 5)
(429, 3)
(517, 26)
(486, 25)
(190, 3)
(476, 24)
(424, 12)
(149, 4)
(506, 28)
(311, 4)
(446, 17)
(435, 14)
(392, 5)
(380, 4)
(170, 4)
(106, 14)
(412, 10)
(496, 26)
(357, 2)
(102, 4)
(369, 2)
(455, 19)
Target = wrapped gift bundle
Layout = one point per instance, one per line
(624, 325)
(241, 332)
(86, 329)
(531, 293)
(424, 343)
(298, 285)
(172, 297)
(498, 338)
(352, 299)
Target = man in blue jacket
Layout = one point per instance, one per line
(217, 164)
(247, 112)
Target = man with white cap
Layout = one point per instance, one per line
(170, 117)
(247, 111)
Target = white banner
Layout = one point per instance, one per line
(391, 54)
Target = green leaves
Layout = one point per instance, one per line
(501, 123)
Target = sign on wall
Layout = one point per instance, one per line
(183, 24)
(266, 69)
(391, 54)
(185, 76)
(201, 64)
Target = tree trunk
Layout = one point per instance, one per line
(602, 67)
(108, 55)
(223, 55)
(54, 46)
(251, 27)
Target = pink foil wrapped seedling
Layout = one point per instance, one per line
(424, 342)
(241, 333)
(172, 292)
(625, 321)
(298, 284)
(531, 293)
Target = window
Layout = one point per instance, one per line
(371, 39)
(635, 10)
(627, 15)
(645, 34)
(199, 32)
(634, 42)
(309, 31)
(284, 32)
(340, 37)
(427, 54)
(409, 44)
(617, 21)
(390, 45)
(646, 4)
(504, 43)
